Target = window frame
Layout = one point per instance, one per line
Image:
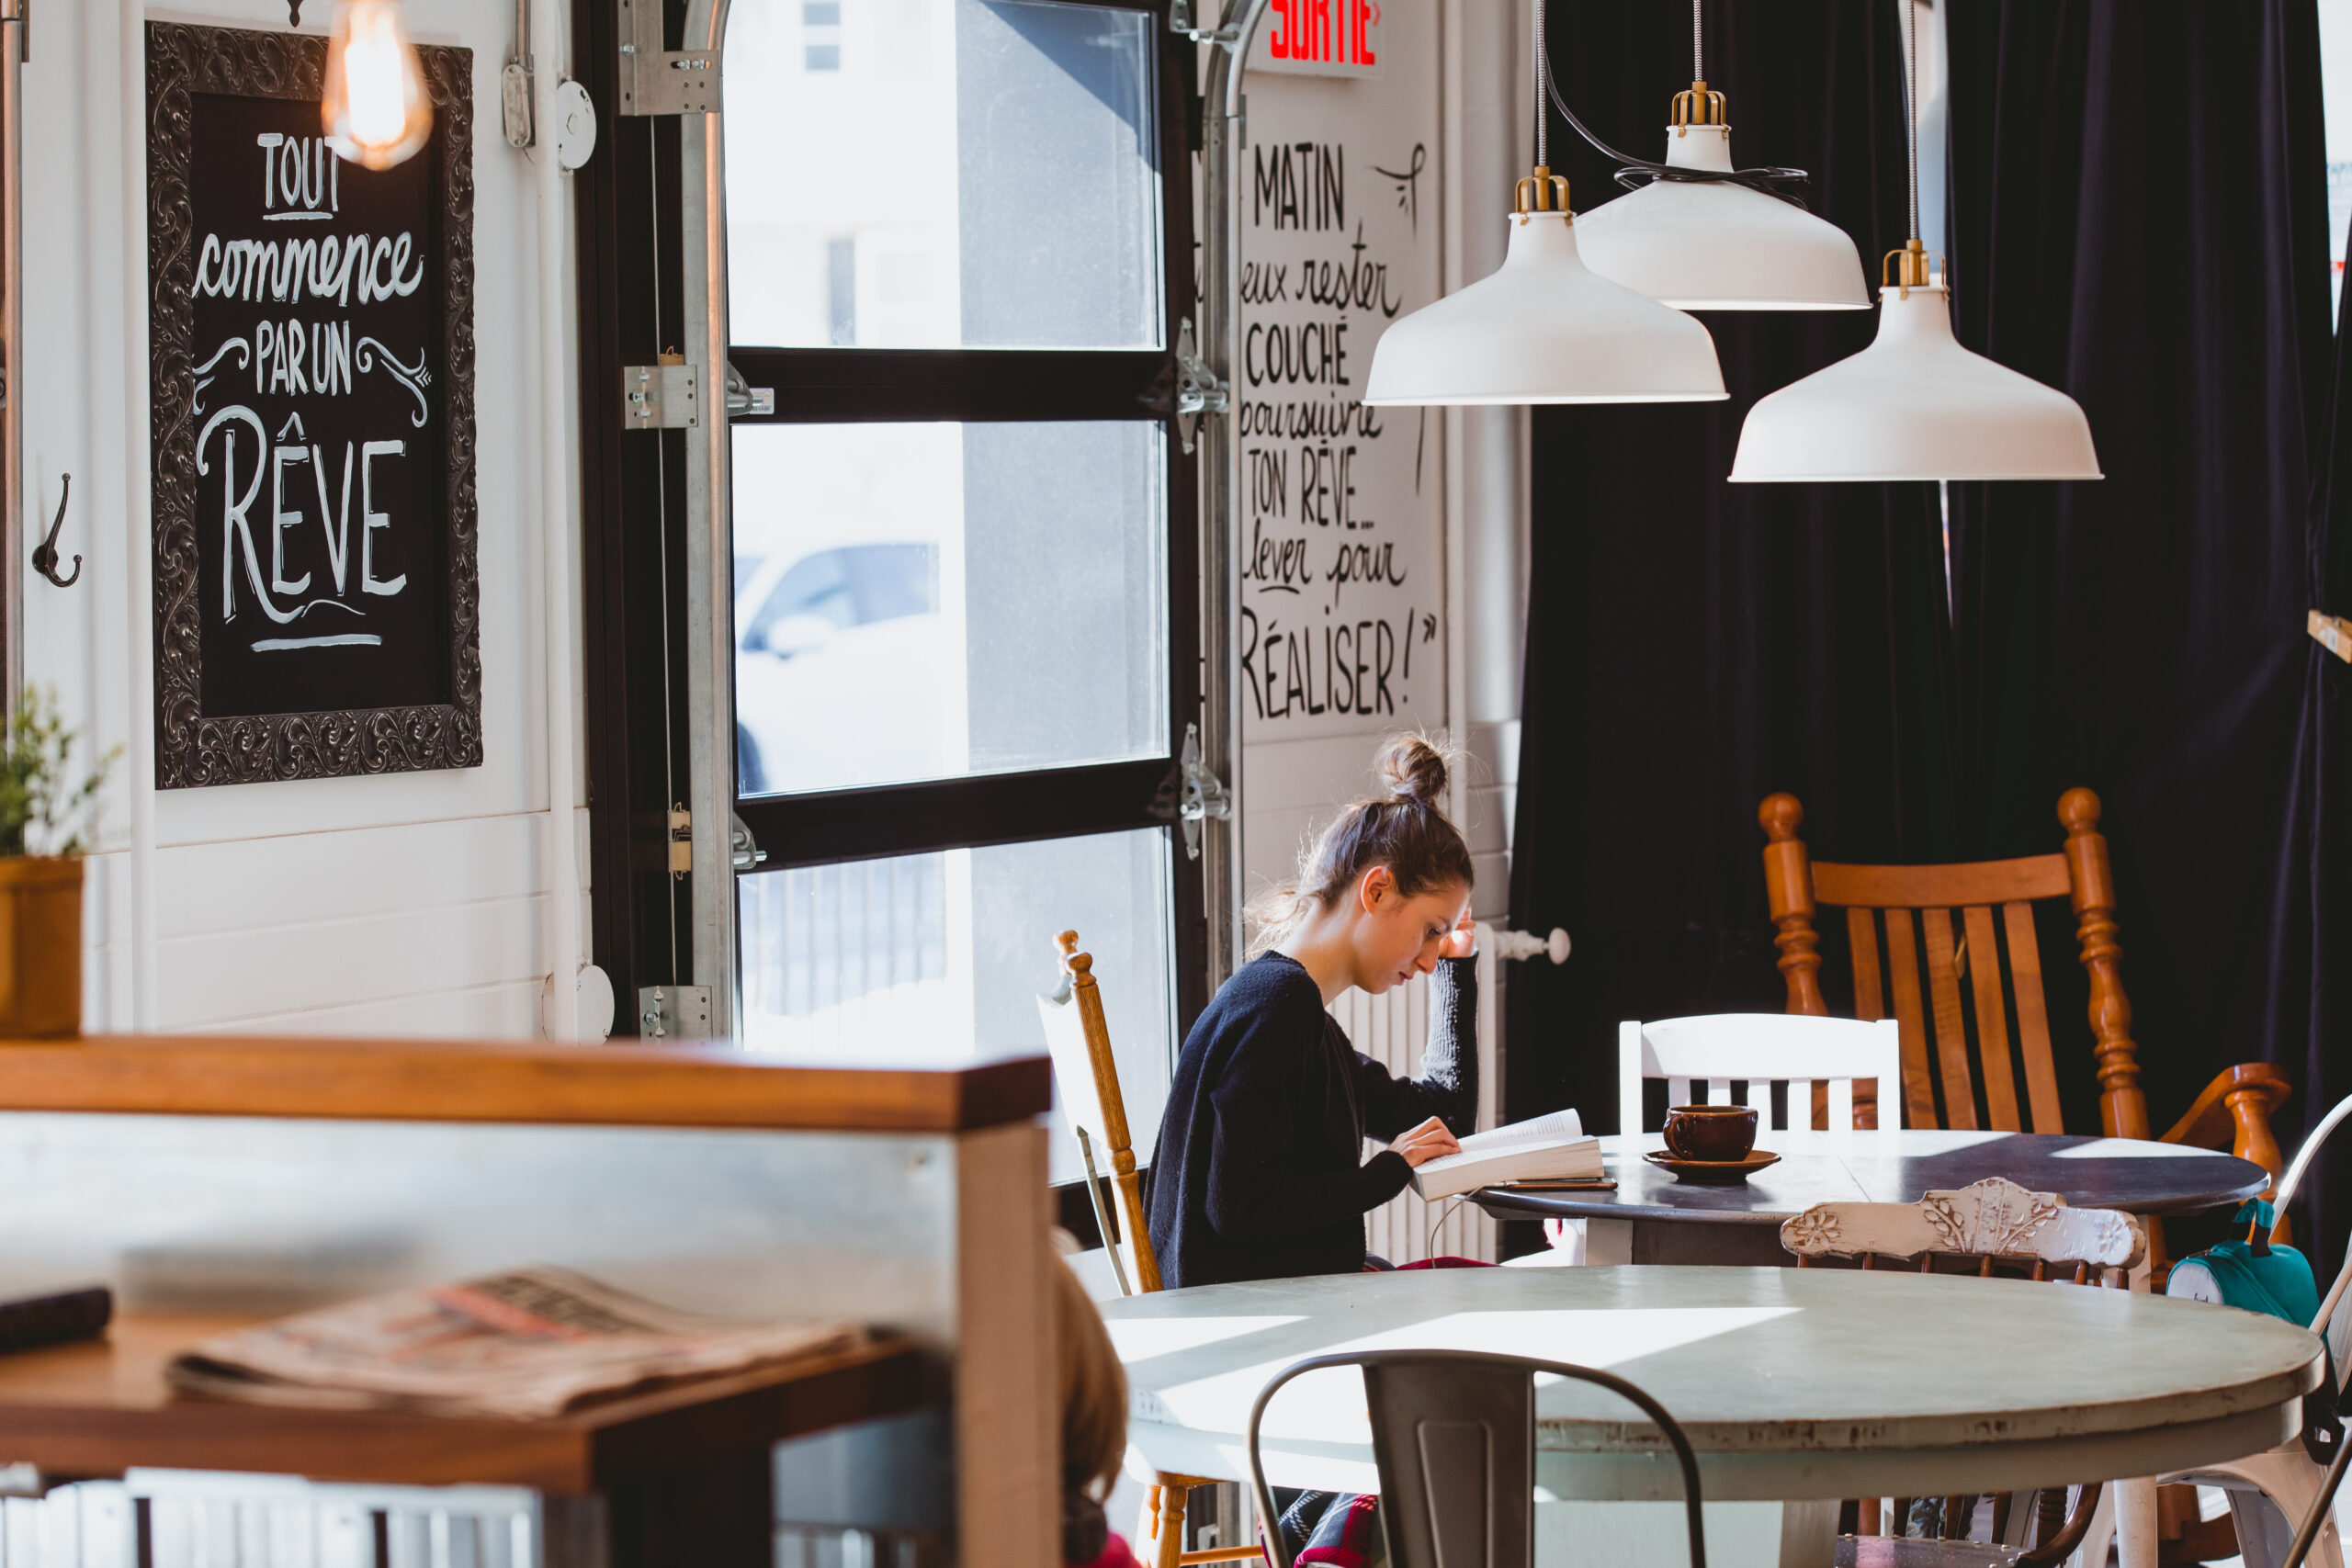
(666, 637)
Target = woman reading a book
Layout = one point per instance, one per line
(1260, 1172)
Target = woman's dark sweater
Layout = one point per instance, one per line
(1259, 1173)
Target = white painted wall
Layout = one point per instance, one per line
(1456, 62)
(414, 904)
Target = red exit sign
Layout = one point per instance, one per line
(1321, 38)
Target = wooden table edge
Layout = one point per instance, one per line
(395, 1080)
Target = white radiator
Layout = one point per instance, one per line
(1392, 1029)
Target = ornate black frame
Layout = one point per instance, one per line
(192, 751)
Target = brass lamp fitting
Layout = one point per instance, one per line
(1700, 106)
(1540, 188)
(1906, 269)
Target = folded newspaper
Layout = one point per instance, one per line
(530, 1343)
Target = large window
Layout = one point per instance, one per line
(963, 538)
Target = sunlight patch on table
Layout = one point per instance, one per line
(2130, 1148)
(1139, 1338)
(1329, 1403)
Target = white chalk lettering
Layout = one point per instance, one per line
(370, 519)
(280, 520)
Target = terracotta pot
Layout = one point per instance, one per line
(41, 946)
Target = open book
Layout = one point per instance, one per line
(1541, 1146)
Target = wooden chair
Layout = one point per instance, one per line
(1914, 908)
(1762, 1048)
(1087, 1079)
(1991, 1222)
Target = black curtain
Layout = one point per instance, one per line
(2138, 217)
(1694, 644)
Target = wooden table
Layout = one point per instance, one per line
(1813, 1385)
(1653, 1218)
(210, 1175)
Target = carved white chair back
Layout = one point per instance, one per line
(1993, 1219)
(1763, 1048)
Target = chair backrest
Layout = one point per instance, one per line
(1913, 909)
(1454, 1434)
(1087, 1079)
(1762, 1048)
(1992, 1221)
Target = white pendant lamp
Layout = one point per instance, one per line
(1717, 244)
(1914, 405)
(1544, 328)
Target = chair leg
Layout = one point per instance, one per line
(1168, 1545)
(2093, 1550)
(1146, 1541)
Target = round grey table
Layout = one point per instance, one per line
(1653, 1218)
(1814, 1384)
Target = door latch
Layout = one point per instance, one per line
(1198, 390)
(1191, 795)
(743, 399)
(743, 852)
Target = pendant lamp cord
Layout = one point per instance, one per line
(1635, 173)
(1911, 102)
(1543, 85)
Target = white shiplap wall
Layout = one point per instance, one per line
(407, 904)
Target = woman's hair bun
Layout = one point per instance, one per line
(1413, 769)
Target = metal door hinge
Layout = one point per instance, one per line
(1180, 20)
(674, 1012)
(659, 396)
(1198, 390)
(654, 80)
(744, 399)
(682, 840)
(743, 852)
(1191, 795)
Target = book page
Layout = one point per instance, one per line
(1559, 1125)
(1497, 1152)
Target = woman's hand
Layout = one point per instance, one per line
(1461, 940)
(1427, 1142)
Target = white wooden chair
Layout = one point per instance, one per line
(1993, 1221)
(1762, 1048)
(2287, 1474)
(1087, 1079)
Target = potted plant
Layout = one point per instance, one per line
(46, 819)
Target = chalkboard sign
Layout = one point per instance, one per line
(313, 434)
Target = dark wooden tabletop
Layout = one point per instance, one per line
(99, 1406)
(2138, 1177)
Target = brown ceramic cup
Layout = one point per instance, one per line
(1719, 1132)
